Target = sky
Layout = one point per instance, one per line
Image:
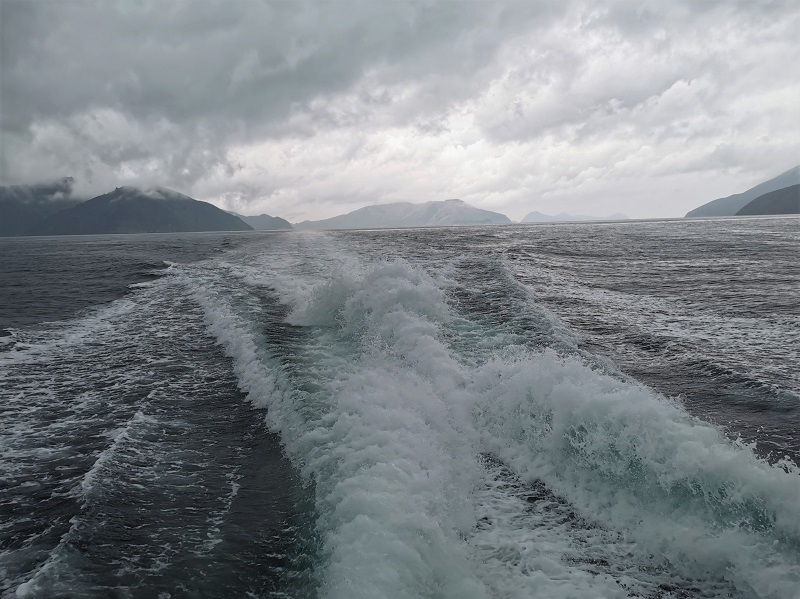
(306, 110)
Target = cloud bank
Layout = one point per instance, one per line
(311, 109)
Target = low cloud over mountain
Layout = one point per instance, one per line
(307, 110)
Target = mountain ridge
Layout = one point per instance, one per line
(730, 205)
(22, 207)
(135, 210)
(264, 222)
(781, 201)
(451, 212)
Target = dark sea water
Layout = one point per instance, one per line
(559, 411)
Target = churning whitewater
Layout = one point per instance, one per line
(392, 414)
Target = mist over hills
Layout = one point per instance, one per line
(731, 205)
(563, 217)
(22, 207)
(50, 209)
(406, 214)
(264, 222)
(134, 210)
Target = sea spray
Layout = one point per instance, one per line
(635, 461)
(375, 438)
(378, 392)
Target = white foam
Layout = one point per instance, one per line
(376, 438)
(120, 436)
(8, 339)
(636, 462)
(388, 419)
(50, 338)
(40, 580)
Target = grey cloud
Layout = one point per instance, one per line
(214, 72)
(645, 17)
(39, 193)
(675, 44)
(213, 61)
(174, 92)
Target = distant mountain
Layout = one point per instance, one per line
(264, 222)
(732, 204)
(563, 217)
(780, 201)
(406, 214)
(22, 207)
(134, 210)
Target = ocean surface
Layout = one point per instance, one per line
(557, 411)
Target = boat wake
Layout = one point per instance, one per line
(438, 438)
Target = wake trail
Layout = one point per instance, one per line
(380, 404)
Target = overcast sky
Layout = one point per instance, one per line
(311, 109)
